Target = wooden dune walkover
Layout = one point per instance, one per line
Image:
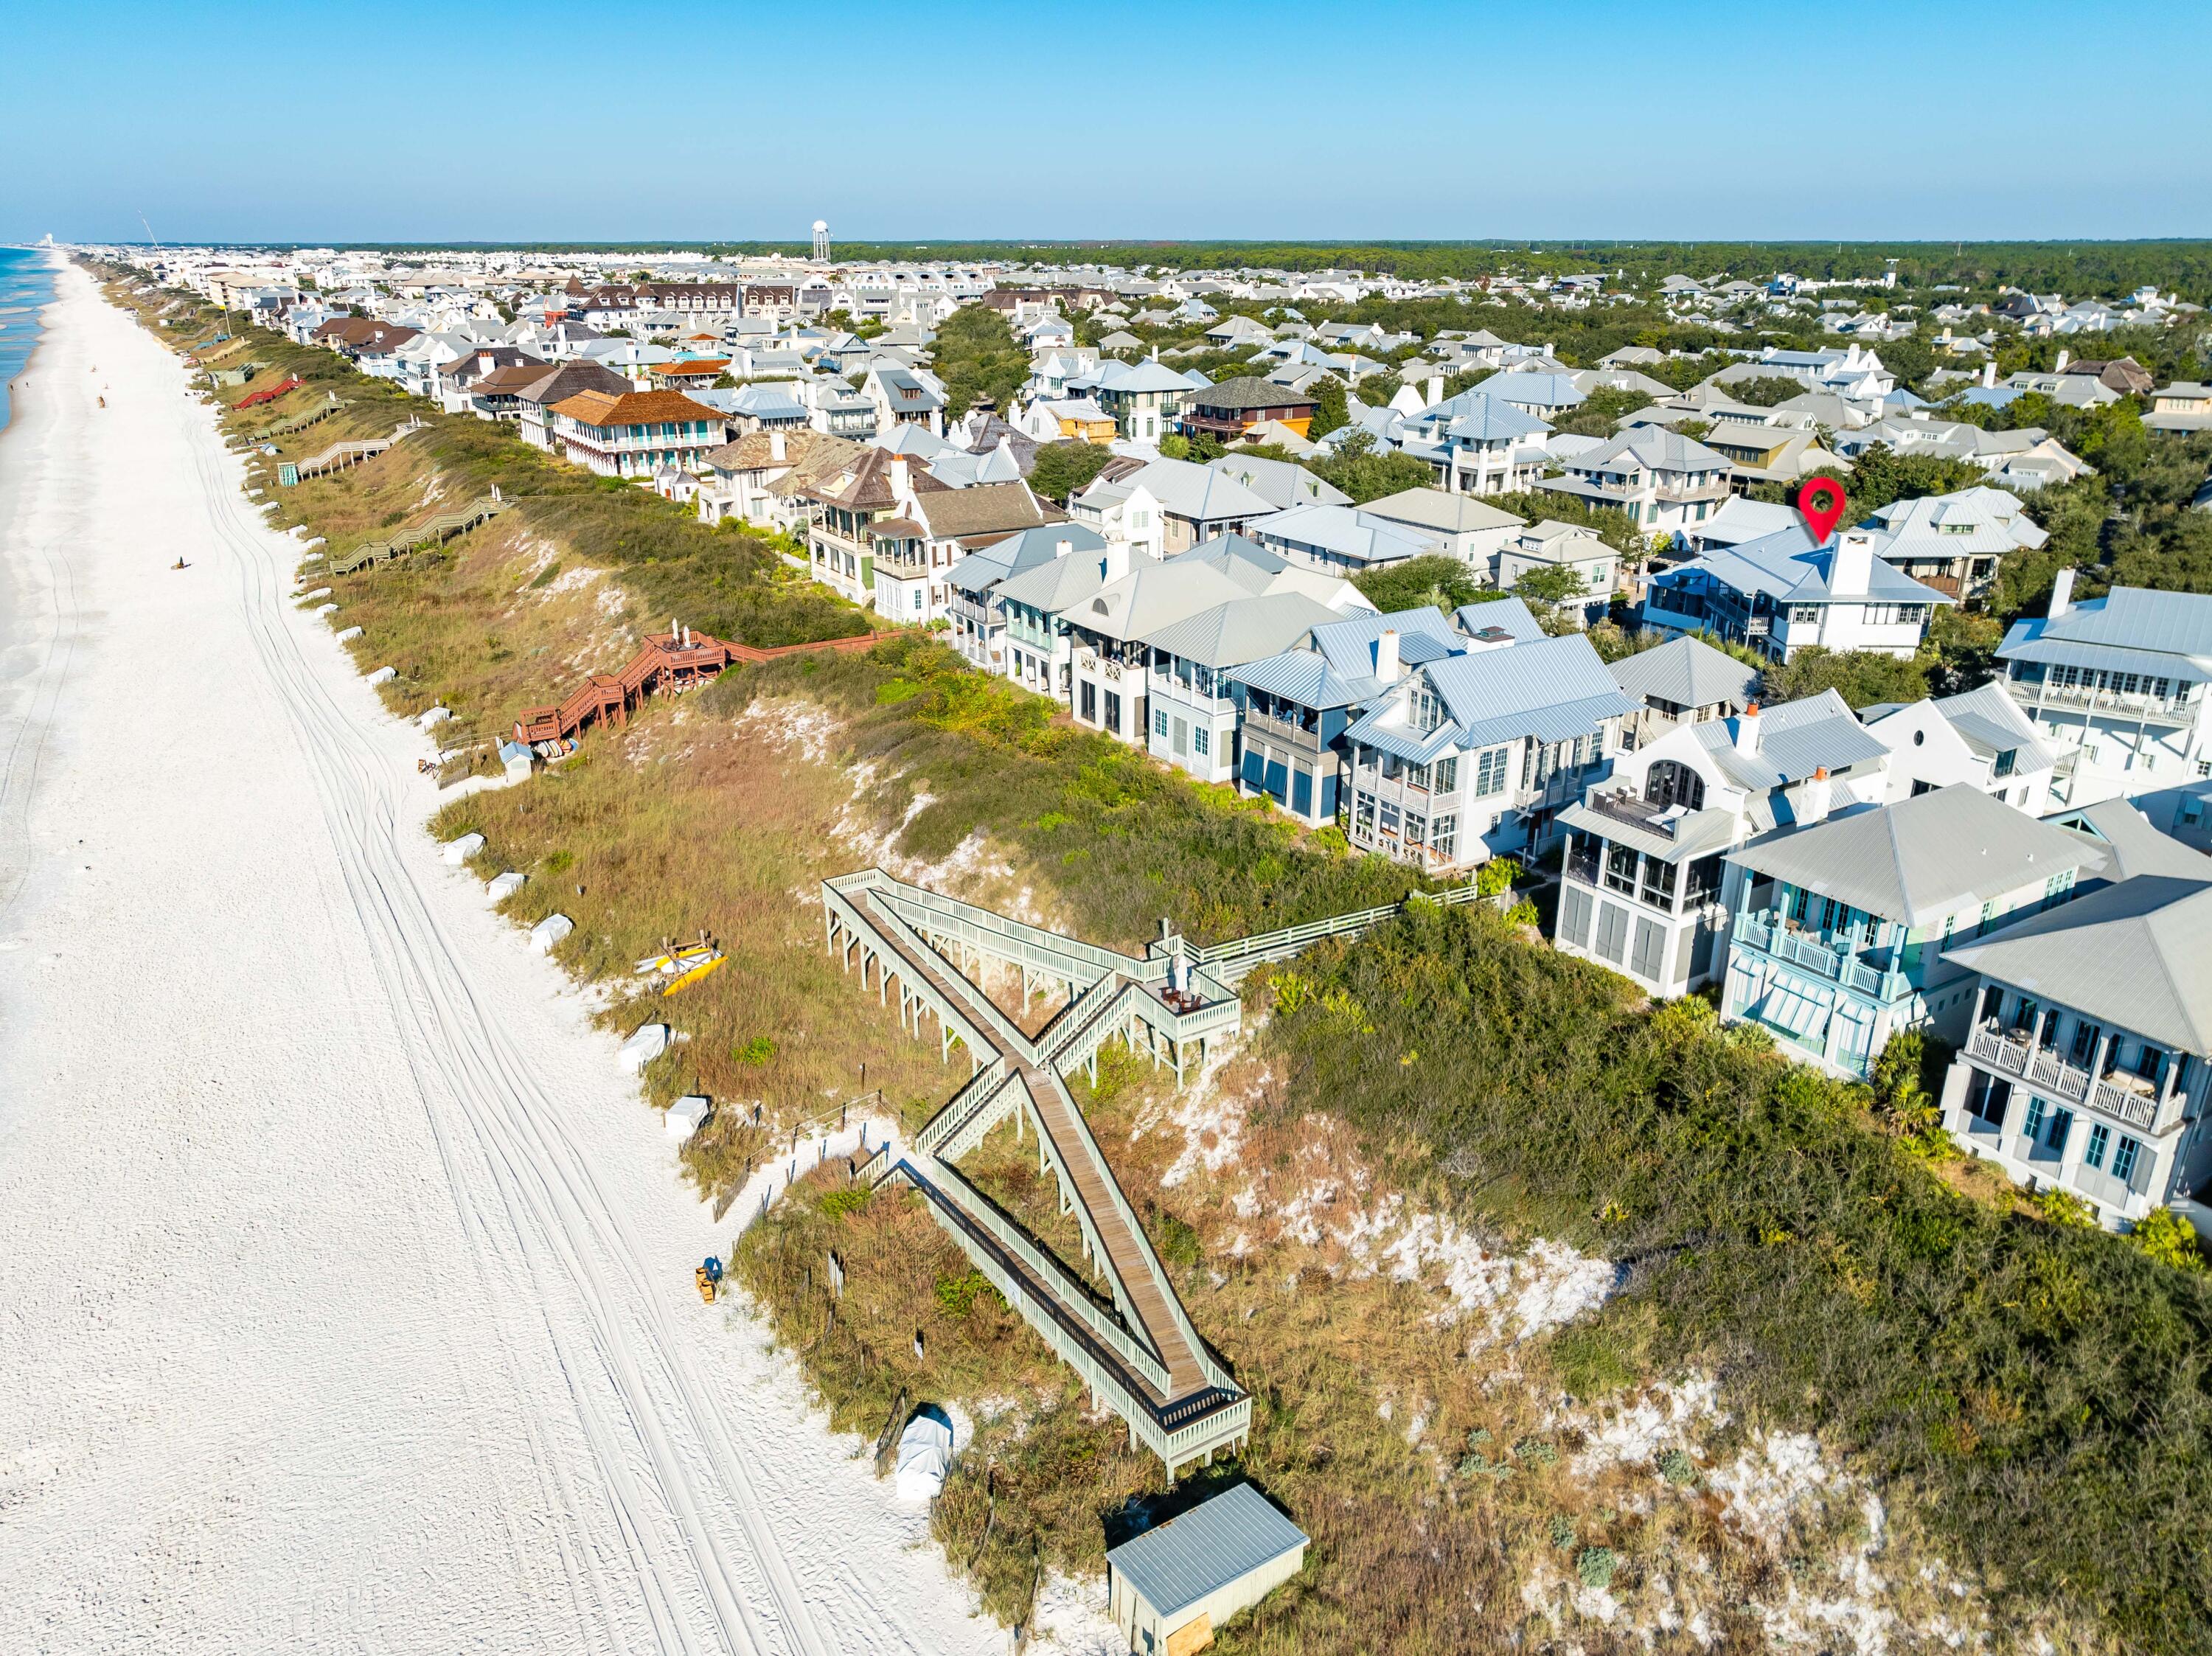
(1120, 1324)
(667, 662)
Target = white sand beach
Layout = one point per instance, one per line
(348, 1300)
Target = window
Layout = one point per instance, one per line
(1202, 741)
(1114, 712)
(2032, 1127)
(1490, 772)
(1443, 832)
(1417, 828)
(1389, 816)
(1443, 775)
(2100, 1138)
(2055, 1132)
(2002, 765)
(1159, 721)
(1363, 814)
(2124, 1159)
(917, 597)
(1426, 710)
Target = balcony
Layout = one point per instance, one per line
(1765, 932)
(2124, 1097)
(1282, 730)
(1623, 806)
(2182, 709)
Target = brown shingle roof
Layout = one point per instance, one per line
(982, 509)
(756, 451)
(866, 485)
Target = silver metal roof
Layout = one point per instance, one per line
(2121, 629)
(1203, 1550)
(1921, 857)
(1244, 629)
(2133, 954)
(1689, 673)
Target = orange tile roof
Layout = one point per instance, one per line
(637, 408)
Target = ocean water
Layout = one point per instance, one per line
(26, 283)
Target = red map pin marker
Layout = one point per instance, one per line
(1821, 504)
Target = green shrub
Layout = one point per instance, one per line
(957, 1295)
(1595, 1566)
(756, 1049)
(854, 1198)
(1676, 1467)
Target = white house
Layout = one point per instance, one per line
(1642, 880)
(2086, 1067)
(1466, 757)
(1663, 480)
(1782, 592)
(1472, 532)
(2116, 686)
(1980, 738)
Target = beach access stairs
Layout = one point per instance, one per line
(673, 661)
(431, 532)
(339, 456)
(269, 394)
(321, 411)
(1120, 1324)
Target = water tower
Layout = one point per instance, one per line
(822, 242)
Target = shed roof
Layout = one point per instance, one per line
(1203, 1550)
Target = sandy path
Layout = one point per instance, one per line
(346, 1297)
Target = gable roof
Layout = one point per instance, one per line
(2132, 954)
(982, 509)
(1441, 510)
(1921, 857)
(1024, 551)
(1484, 619)
(1795, 738)
(1242, 629)
(1788, 564)
(1552, 689)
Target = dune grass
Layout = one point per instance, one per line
(2036, 1395)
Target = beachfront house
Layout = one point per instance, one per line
(1458, 760)
(1838, 928)
(978, 613)
(635, 433)
(1980, 737)
(2088, 1064)
(1641, 881)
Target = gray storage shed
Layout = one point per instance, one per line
(1169, 1588)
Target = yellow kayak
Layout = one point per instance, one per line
(693, 976)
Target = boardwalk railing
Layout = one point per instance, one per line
(429, 532)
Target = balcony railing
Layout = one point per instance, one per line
(2042, 1068)
(1637, 813)
(1765, 934)
(2165, 709)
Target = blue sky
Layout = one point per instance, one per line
(340, 121)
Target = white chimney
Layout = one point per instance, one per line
(1386, 655)
(1746, 730)
(1114, 562)
(901, 484)
(1850, 566)
(1990, 372)
(1062, 546)
(2062, 593)
(1436, 389)
(1813, 794)
(776, 446)
(2064, 357)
